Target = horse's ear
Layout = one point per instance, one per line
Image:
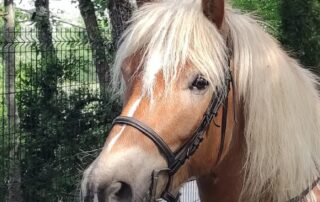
(141, 2)
(214, 10)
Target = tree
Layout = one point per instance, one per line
(52, 68)
(120, 12)
(42, 20)
(267, 10)
(60, 109)
(97, 42)
(14, 184)
(295, 23)
(41, 110)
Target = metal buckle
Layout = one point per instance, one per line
(165, 192)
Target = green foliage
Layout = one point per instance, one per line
(295, 23)
(100, 6)
(62, 115)
(2, 11)
(268, 10)
(56, 135)
(59, 121)
(19, 17)
(301, 30)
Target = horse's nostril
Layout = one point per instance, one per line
(117, 191)
(124, 193)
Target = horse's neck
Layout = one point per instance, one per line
(224, 183)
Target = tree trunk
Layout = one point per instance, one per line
(120, 12)
(97, 43)
(14, 184)
(52, 70)
(42, 19)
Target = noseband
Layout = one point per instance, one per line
(176, 159)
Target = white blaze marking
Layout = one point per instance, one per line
(114, 140)
(314, 198)
(134, 106)
(130, 114)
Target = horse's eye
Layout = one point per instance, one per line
(200, 83)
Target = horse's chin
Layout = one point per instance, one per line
(142, 193)
(141, 197)
(120, 197)
(145, 198)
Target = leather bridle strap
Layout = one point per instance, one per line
(176, 159)
(191, 146)
(305, 192)
(223, 130)
(150, 133)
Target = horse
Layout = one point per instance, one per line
(209, 95)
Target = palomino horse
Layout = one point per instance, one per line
(193, 72)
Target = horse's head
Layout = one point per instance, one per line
(173, 68)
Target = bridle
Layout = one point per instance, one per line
(175, 159)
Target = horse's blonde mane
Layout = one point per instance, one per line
(281, 100)
(281, 114)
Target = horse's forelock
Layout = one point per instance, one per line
(281, 100)
(169, 35)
